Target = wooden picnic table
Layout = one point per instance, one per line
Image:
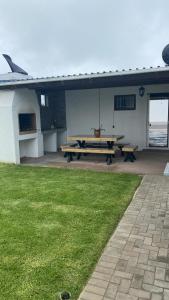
(82, 139)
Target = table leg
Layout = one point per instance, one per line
(110, 144)
(82, 144)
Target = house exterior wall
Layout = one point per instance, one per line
(82, 112)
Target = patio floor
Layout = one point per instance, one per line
(148, 162)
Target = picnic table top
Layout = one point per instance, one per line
(92, 138)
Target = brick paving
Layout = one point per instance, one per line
(135, 262)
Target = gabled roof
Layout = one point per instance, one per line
(151, 75)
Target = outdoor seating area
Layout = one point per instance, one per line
(104, 144)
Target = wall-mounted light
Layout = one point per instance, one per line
(141, 91)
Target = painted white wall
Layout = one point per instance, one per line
(82, 112)
(61, 136)
(7, 134)
(50, 140)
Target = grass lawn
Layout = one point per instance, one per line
(54, 224)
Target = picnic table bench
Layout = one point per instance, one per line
(71, 150)
(128, 151)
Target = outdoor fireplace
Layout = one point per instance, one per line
(27, 123)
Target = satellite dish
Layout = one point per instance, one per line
(14, 68)
(165, 54)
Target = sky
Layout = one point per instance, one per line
(61, 37)
(158, 111)
(56, 37)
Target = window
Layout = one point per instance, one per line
(125, 102)
(44, 101)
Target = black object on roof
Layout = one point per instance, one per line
(14, 67)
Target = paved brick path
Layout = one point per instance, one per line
(135, 262)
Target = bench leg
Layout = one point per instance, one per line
(109, 159)
(134, 157)
(129, 156)
(69, 156)
(78, 156)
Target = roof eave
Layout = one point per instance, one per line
(131, 77)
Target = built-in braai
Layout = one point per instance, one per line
(27, 122)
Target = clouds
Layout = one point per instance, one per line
(69, 36)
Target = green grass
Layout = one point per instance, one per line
(54, 224)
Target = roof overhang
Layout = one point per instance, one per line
(97, 80)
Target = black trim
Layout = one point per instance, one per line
(154, 96)
(122, 100)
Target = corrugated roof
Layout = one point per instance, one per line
(85, 75)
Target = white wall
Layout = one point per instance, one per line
(7, 135)
(50, 140)
(82, 111)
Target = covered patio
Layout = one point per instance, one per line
(46, 112)
(148, 162)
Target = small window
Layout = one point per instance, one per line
(44, 100)
(125, 102)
